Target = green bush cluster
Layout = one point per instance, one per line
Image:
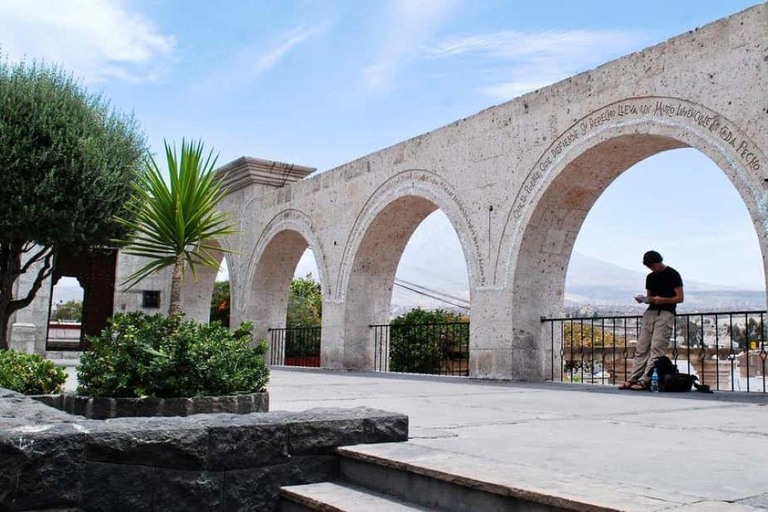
(140, 355)
(421, 342)
(30, 374)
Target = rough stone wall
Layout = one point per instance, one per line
(516, 181)
(51, 460)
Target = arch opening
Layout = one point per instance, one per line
(285, 301)
(221, 296)
(384, 269)
(66, 314)
(699, 224)
(551, 229)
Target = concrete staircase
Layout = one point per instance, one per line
(404, 476)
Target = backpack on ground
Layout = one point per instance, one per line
(671, 380)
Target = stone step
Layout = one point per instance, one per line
(340, 497)
(456, 482)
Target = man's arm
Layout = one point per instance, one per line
(640, 300)
(677, 299)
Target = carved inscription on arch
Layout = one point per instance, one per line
(637, 109)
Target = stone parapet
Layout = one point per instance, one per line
(53, 460)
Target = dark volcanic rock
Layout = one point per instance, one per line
(118, 487)
(309, 469)
(247, 445)
(41, 469)
(50, 460)
(386, 428)
(188, 490)
(165, 446)
(308, 437)
(253, 489)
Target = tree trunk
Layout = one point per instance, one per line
(11, 268)
(5, 321)
(178, 268)
(9, 272)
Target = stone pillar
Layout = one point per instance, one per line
(332, 345)
(24, 337)
(502, 346)
(196, 295)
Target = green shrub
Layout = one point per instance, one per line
(140, 355)
(421, 342)
(30, 374)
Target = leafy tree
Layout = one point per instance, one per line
(750, 333)
(576, 335)
(690, 332)
(68, 161)
(420, 342)
(220, 303)
(305, 303)
(70, 310)
(177, 223)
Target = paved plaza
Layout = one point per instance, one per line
(662, 452)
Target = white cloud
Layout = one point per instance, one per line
(412, 23)
(534, 59)
(509, 90)
(253, 60)
(94, 39)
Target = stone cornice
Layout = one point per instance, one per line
(246, 171)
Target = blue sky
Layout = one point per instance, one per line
(320, 83)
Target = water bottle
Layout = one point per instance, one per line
(655, 381)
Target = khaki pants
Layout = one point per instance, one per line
(652, 343)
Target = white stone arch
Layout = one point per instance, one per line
(375, 245)
(573, 172)
(264, 290)
(427, 185)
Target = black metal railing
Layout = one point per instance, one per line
(725, 350)
(435, 349)
(295, 346)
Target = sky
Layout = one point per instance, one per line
(320, 83)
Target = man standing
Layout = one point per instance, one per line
(663, 291)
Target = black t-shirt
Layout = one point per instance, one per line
(663, 284)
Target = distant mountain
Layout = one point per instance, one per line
(590, 282)
(595, 282)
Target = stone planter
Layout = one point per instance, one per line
(103, 408)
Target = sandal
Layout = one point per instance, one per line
(625, 385)
(639, 386)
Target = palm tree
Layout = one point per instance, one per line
(177, 223)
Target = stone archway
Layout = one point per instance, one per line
(570, 176)
(262, 298)
(376, 244)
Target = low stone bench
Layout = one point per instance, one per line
(53, 460)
